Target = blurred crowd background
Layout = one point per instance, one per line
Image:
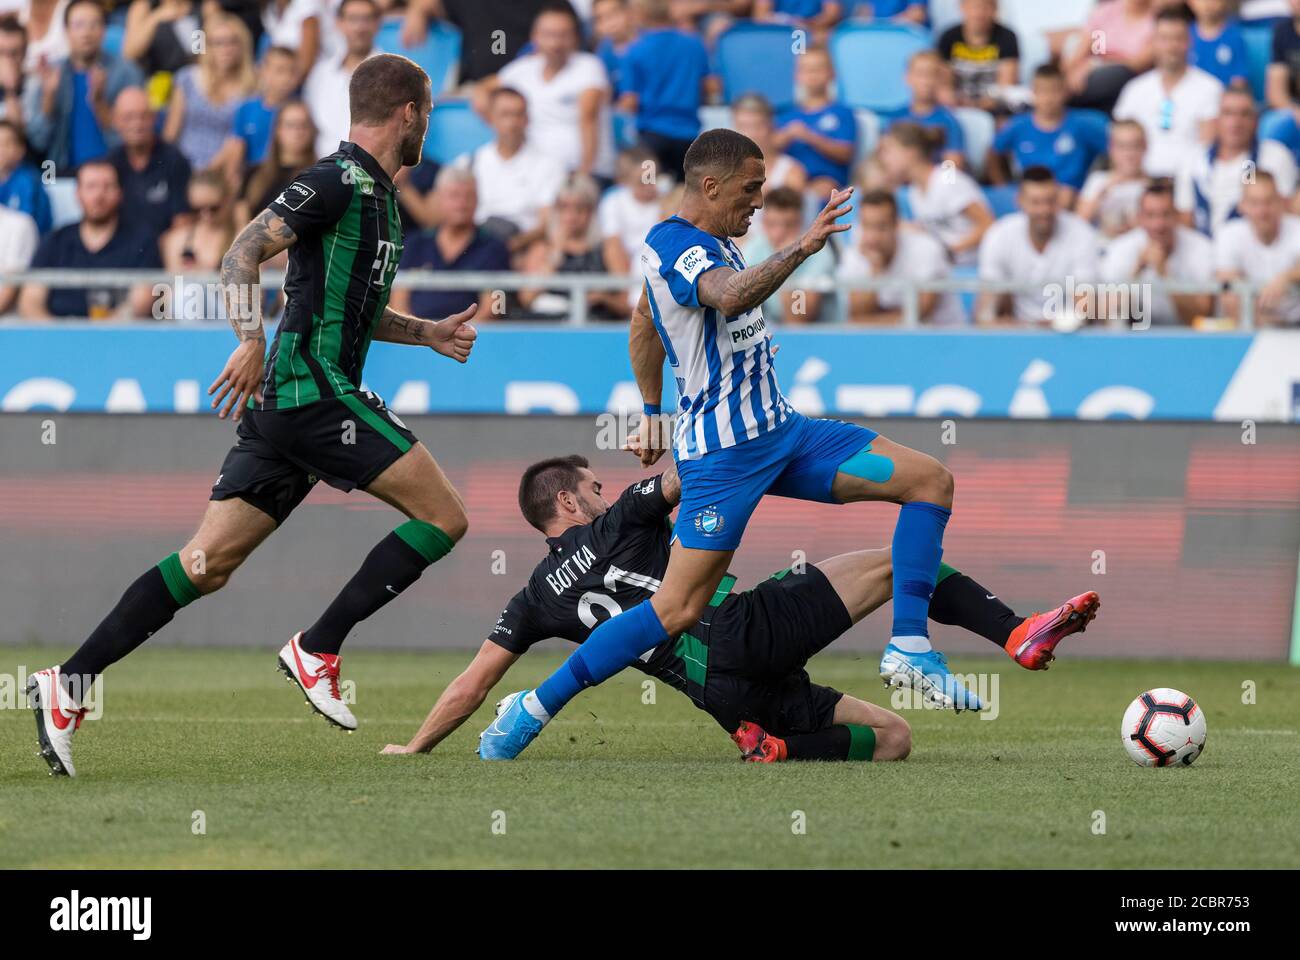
(1027, 142)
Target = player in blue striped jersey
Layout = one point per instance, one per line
(737, 439)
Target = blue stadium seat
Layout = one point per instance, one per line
(1002, 199)
(1259, 51)
(114, 34)
(869, 130)
(64, 208)
(757, 58)
(978, 128)
(439, 55)
(454, 128)
(870, 60)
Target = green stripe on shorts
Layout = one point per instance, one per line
(375, 421)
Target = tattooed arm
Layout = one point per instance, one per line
(733, 292)
(241, 379)
(453, 337)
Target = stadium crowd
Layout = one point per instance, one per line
(1142, 141)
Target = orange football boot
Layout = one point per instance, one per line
(757, 745)
(1031, 644)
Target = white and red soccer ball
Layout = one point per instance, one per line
(1163, 728)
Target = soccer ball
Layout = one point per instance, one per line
(1163, 727)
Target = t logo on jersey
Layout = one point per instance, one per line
(294, 196)
(385, 265)
(692, 262)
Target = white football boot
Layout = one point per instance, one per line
(317, 675)
(57, 718)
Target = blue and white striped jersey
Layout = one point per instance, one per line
(723, 365)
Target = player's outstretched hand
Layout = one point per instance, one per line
(240, 379)
(455, 336)
(395, 749)
(825, 224)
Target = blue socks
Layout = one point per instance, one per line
(917, 549)
(613, 645)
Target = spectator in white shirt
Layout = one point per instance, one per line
(18, 240)
(1041, 245)
(1262, 246)
(1109, 198)
(1160, 249)
(886, 249)
(568, 94)
(517, 183)
(943, 199)
(628, 211)
(1208, 187)
(326, 89)
(1175, 103)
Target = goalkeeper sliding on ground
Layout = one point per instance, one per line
(743, 663)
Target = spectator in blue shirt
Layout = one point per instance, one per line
(816, 16)
(456, 244)
(894, 11)
(1050, 136)
(818, 132)
(20, 182)
(277, 79)
(925, 73)
(1218, 47)
(104, 241)
(614, 32)
(67, 108)
(664, 75)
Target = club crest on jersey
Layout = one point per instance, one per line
(692, 262)
(708, 521)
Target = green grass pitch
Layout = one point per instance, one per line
(616, 782)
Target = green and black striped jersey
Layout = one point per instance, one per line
(344, 212)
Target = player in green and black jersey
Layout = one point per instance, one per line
(302, 413)
(743, 662)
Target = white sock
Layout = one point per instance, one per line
(912, 644)
(535, 708)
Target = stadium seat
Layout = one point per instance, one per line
(1032, 20)
(1002, 199)
(869, 130)
(439, 54)
(757, 58)
(978, 128)
(114, 34)
(1259, 51)
(870, 61)
(64, 208)
(454, 129)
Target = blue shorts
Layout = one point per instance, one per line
(799, 459)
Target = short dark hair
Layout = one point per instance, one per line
(719, 152)
(1176, 14)
(1048, 71)
(67, 11)
(879, 198)
(372, 4)
(504, 91)
(1159, 187)
(542, 481)
(9, 23)
(1038, 174)
(382, 84)
(279, 52)
(562, 7)
(98, 162)
(783, 198)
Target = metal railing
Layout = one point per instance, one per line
(577, 285)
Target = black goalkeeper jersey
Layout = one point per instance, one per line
(597, 571)
(344, 212)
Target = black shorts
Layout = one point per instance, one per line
(759, 642)
(278, 455)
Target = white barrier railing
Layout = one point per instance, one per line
(579, 284)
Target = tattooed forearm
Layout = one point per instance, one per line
(394, 327)
(258, 242)
(733, 292)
